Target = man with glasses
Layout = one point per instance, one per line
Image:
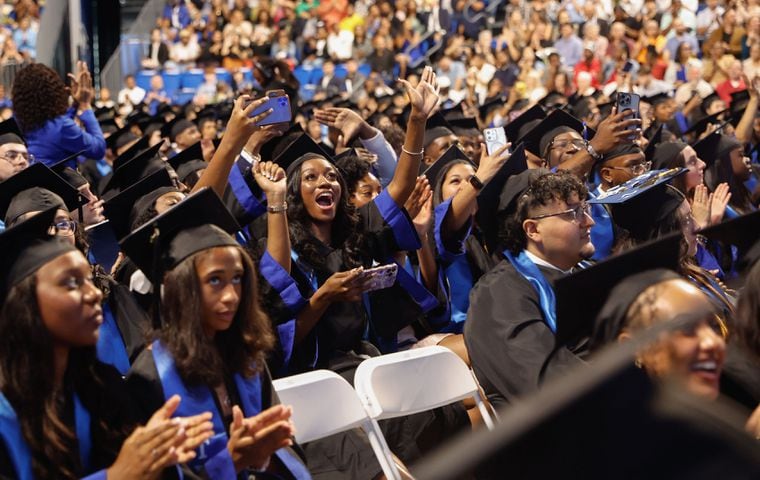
(616, 167)
(511, 324)
(14, 155)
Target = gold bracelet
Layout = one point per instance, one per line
(283, 207)
(420, 153)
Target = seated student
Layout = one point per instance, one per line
(545, 223)
(14, 155)
(693, 355)
(216, 357)
(458, 241)
(651, 211)
(727, 164)
(616, 167)
(63, 413)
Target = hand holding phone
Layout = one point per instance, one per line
(279, 102)
(495, 139)
(378, 278)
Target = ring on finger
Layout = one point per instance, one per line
(154, 453)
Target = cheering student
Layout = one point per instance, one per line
(49, 127)
(212, 340)
(74, 420)
(510, 330)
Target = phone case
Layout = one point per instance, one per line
(280, 104)
(380, 277)
(495, 138)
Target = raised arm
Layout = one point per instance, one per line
(271, 178)
(423, 99)
(240, 127)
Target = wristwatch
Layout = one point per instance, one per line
(594, 154)
(476, 183)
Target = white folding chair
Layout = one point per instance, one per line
(414, 381)
(324, 403)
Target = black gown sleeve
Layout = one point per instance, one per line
(7, 472)
(511, 348)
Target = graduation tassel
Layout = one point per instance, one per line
(155, 239)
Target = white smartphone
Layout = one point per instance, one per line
(495, 139)
(378, 278)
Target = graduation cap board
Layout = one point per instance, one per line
(119, 209)
(653, 142)
(603, 420)
(488, 197)
(465, 126)
(72, 177)
(135, 169)
(581, 295)
(188, 161)
(36, 188)
(558, 122)
(700, 126)
(453, 154)
(742, 232)
(120, 138)
(643, 200)
(11, 133)
(32, 247)
(175, 127)
(657, 99)
(715, 146)
(302, 145)
(513, 128)
(199, 222)
(142, 144)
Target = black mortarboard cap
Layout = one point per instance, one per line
(656, 99)
(715, 146)
(515, 187)
(644, 200)
(556, 123)
(141, 119)
(606, 419)
(104, 113)
(199, 222)
(700, 126)
(72, 177)
(28, 246)
(707, 101)
(453, 154)
(513, 129)
(488, 197)
(120, 138)
(605, 109)
(652, 145)
(552, 100)
(36, 188)
(489, 105)
(188, 161)
(581, 295)
(742, 231)
(140, 146)
(300, 147)
(276, 145)
(108, 126)
(739, 100)
(437, 120)
(10, 132)
(135, 169)
(120, 208)
(665, 153)
(465, 126)
(176, 126)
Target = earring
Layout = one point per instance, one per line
(638, 363)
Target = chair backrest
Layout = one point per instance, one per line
(413, 381)
(323, 404)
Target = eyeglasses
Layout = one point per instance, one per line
(12, 156)
(583, 209)
(563, 144)
(64, 228)
(637, 169)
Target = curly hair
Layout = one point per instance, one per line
(242, 348)
(27, 348)
(353, 169)
(542, 190)
(347, 230)
(38, 95)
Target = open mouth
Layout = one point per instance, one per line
(707, 369)
(325, 200)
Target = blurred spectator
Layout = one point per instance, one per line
(284, 48)
(734, 83)
(131, 94)
(695, 84)
(262, 31)
(5, 101)
(211, 51)
(177, 14)
(104, 99)
(589, 64)
(157, 95)
(25, 37)
(569, 46)
(729, 32)
(332, 11)
(751, 66)
(158, 51)
(708, 19)
(186, 51)
(680, 34)
(239, 27)
(676, 72)
(339, 43)
(11, 55)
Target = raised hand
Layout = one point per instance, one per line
(700, 206)
(423, 97)
(615, 130)
(241, 125)
(342, 287)
(424, 218)
(264, 134)
(271, 178)
(347, 121)
(81, 87)
(490, 164)
(720, 198)
(419, 196)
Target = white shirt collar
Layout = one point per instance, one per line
(543, 263)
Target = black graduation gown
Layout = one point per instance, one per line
(144, 385)
(131, 319)
(741, 376)
(511, 348)
(108, 405)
